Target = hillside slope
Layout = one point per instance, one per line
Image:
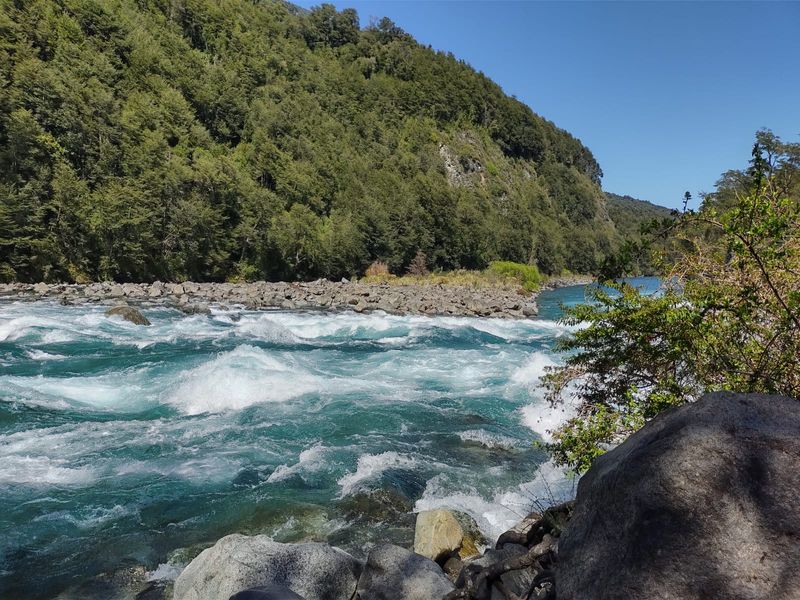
(206, 140)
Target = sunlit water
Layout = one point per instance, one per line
(121, 444)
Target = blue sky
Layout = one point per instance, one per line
(667, 95)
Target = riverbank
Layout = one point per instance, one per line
(433, 300)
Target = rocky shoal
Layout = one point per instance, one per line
(321, 294)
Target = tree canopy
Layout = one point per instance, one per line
(205, 139)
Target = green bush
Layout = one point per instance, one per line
(527, 275)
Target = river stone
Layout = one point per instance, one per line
(394, 573)
(441, 533)
(238, 562)
(700, 503)
(129, 313)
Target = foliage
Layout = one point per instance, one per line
(460, 277)
(377, 270)
(526, 275)
(727, 317)
(419, 265)
(213, 140)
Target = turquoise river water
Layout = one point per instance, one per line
(124, 445)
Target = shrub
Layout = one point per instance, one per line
(526, 275)
(727, 318)
(419, 265)
(378, 270)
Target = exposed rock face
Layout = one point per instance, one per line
(701, 503)
(442, 533)
(394, 573)
(129, 313)
(238, 562)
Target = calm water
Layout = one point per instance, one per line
(122, 445)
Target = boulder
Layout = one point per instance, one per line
(700, 503)
(41, 288)
(195, 308)
(129, 313)
(238, 562)
(394, 573)
(441, 533)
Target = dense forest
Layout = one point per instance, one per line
(241, 139)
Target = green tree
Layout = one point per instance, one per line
(728, 318)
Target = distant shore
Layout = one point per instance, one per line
(439, 300)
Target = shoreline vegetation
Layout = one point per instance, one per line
(460, 293)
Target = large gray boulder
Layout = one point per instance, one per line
(394, 573)
(701, 503)
(238, 562)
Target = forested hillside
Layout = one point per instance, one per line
(211, 140)
(629, 213)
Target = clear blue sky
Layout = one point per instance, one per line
(667, 95)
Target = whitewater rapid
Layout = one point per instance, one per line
(272, 422)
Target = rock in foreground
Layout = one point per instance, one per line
(442, 533)
(701, 503)
(238, 562)
(394, 573)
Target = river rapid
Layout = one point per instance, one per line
(125, 445)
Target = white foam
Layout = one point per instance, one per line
(88, 518)
(504, 508)
(240, 378)
(119, 390)
(488, 439)
(310, 460)
(42, 355)
(370, 466)
(531, 373)
(43, 470)
(264, 328)
(14, 329)
(165, 572)
(197, 470)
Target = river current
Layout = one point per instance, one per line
(126, 445)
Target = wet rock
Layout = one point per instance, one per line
(452, 568)
(129, 313)
(197, 308)
(521, 533)
(238, 562)
(394, 573)
(442, 533)
(700, 503)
